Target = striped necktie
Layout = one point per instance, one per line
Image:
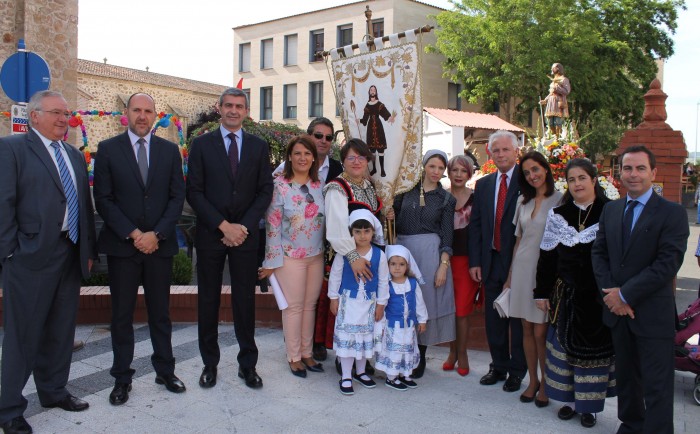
(70, 193)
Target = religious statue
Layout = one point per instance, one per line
(556, 106)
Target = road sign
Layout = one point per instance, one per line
(20, 120)
(23, 74)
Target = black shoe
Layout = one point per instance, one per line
(301, 373)
(541, 404)
(369, 369)
(69, 403)
(492, 378)
(319, 352)
(208, 377)
(588, 420)
(346, 390)
(512, 384)
(252, 379)
(318, 367)
(396, 384)
(409, 383)
(368, 382)
(419, 370)
(527, 399)
(566, 413)
(172, 383)
(120, 393)
(17, 425)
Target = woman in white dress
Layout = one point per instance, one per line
(537, 197)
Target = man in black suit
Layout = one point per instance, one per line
(491, 241)
(229, 186)
(139, 192)
(638, 250)
(47, 241)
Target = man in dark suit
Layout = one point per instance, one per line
(139, 192)
(638, 250)
(47, 241)
(229, 186)
(491, 241)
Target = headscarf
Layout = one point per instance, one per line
(399, 250)
(365, 214)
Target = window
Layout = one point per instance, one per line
(454, 102)
(266, 54)
(315, 45)
(315, 99)
(244, 57)
(290, 101)
(265, 103)
(345, 35)
(290, 50)
(378, 28)
(247, 93)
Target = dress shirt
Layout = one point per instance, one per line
(227, 141)
(69, 165)
(643, 199)
(133, 138)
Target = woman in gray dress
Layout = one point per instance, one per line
(537, 197)
(425, 224)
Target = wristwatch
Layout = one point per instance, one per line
(446, 263)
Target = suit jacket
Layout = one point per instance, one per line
(645, 270)
(335, 168)
(216, 196)
(482, 221)
(125, 203)
(33, 205)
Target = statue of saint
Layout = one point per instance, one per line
(556, 107)
(376, 140)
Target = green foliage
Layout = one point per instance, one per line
(182, 269)
(96, 279)
(501, 50)
(276, 134)
(600, 134)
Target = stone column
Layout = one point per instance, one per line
(50, 29)
(666, 143)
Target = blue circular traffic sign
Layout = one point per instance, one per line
(23, 74)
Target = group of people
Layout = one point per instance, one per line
(591, 307)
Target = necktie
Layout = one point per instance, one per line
(627, 222)
(233, 154)
(500, 205)
(69, 192)
(143, 160)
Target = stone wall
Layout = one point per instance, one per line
(104, 93)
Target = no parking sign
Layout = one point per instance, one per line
(20, 120)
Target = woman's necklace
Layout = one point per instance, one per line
(360, 184)
(582, 225)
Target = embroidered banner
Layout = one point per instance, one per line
(379, 99)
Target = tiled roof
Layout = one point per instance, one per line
(484, 121)
(121, 73)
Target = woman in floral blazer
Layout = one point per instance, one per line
(295, 227)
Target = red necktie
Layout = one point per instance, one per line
(233, 154)
(500, 205)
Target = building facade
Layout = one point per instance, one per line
(288, 82)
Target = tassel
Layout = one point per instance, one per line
(421, 200)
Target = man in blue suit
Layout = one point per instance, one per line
(47, 241)
(491, 242)
(637, 253)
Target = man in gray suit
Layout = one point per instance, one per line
(47, 241)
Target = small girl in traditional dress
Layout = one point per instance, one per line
(405, 312)
(358, 302)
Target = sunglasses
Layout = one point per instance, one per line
(358, 158)
(319, 136)
(305, 190)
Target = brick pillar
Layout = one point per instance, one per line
(666, 143)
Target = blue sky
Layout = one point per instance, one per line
(194, 40)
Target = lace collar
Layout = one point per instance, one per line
(557, 230)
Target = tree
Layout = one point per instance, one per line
(501, 50)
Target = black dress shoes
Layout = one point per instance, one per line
(319, 352)
(171, 382)
(17, 425)
(588, 420)
(512, 384)
(252, 379)
(566, 413)
(70, 403)
(301, 373)
(208, 377)
(492, 378)
(120, 393)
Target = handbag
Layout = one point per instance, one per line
(502, 303)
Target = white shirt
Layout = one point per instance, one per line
(69, 165)
(134, 144)
(336, 277)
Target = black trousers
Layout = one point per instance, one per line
(39, 315)
(125, 276)
(504, 335)
(243, 272)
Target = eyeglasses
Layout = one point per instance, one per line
(305, 190)
(319, 136)
(358, 158)
(56, 113)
